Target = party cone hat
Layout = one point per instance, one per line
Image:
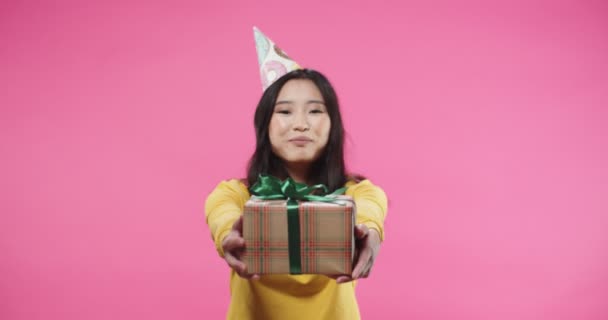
(273, 61)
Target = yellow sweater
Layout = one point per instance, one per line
(290, 296)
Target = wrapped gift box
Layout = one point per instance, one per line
(314, 238)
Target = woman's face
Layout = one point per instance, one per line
(299, 126)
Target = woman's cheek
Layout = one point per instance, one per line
(282, 125)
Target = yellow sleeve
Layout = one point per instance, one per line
(371, 204)
(223, 207)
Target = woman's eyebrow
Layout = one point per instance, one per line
(315, 101)
(291, 102)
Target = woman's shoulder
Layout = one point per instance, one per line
(358, 184)
(356, 180)
(233, 185)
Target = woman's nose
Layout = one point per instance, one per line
(301, 122)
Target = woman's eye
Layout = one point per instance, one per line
(284, 111)
(316, 111)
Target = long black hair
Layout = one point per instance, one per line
(329, 168)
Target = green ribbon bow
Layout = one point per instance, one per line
(272, 188)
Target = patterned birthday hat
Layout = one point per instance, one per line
(273, 61)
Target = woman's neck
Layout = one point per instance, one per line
(298, 172)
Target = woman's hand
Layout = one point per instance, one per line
(367, 246)
(233, 246)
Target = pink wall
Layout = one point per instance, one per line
(487, 125)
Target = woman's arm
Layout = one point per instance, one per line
(223, 207)
(371, 205)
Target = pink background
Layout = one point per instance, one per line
(486, 124)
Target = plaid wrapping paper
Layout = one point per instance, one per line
(327, 243)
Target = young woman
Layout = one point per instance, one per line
(299, 134)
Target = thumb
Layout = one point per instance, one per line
(233, 242)
(238, 225)
(361, 231)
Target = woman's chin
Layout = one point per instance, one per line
(300, 160)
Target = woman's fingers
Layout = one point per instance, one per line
(233, 242)
(234, 263)
(238, 266)
(233, 246)
(340, 278)
(366, 254)
(364, 257)
(343, 279)
(363, 262)
(238, 225)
